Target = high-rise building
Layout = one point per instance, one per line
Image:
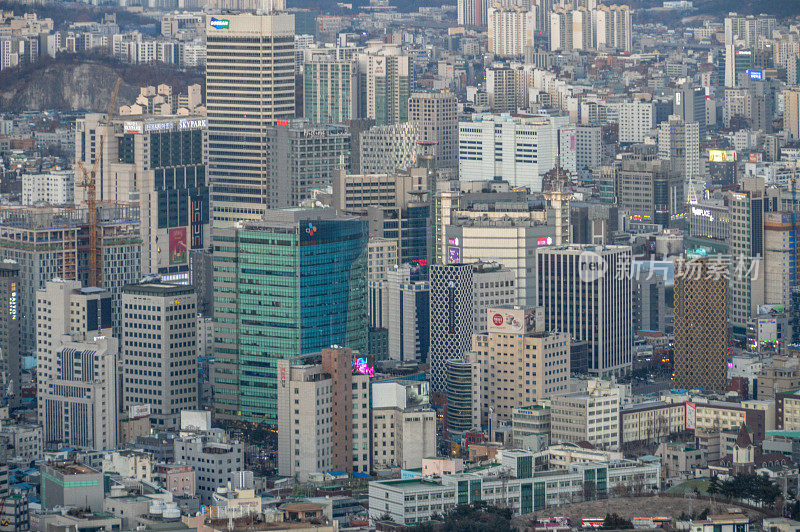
(324, 422)
(403, 424)
(407, 312)
(636, 120)
(520, 150)
(748, 29)
(10, 357)
(159, 351)
(76, 366)
(791, 113)
(612, 27)
(690, 106)
(329, 90)
(462, 386)
(519, 364)
(388, 149)
(397, 206)
(288, 285)
(385, 78)
(679, 143)
(780, 257)
(50, 243)
(701, 324)
(746, 284)
(649, 190)
(460, 295)
(587, 291)
(239, 108)
(506, 88)
(511, 29)
(156, 163)
(435, 115)
(304, 157)
(472, 13)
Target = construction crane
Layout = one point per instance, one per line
(90, 184)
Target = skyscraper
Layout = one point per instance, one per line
(587, 291)
(679, 142)
(329, 90)
(290, 284)
(240, 106)
(511, 29)
(701, 324)
(10, 361)
(791, 115)
(76, 362)
(385, 78)
(472, 13)
(436, 116)
(460, 295)
(159, 369)
(690, 106)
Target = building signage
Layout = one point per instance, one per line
(691, 416)
(160, 126)
(510, 320)
(757, 75)
(133, 127)
(453, 254)
(137, 411)
(219, 23)
(721, 156)
(192, 124)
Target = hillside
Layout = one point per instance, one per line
(81, 83)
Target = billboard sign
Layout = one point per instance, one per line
(721, 156)
(757, 75)
(453, 254)
(219, 23)
(137, 411)
(691, 416)
(510, 320)
(178, 248)
(132, 127)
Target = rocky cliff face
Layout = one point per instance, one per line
(82, 85)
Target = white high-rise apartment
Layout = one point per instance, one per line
(56, 187)
(159, 350)
(435, 115)
(511, 29)
(587, 291)
(748, 29)
(518, 149)
(76, 355)
(506, 88)
(636, 120)
(472, 13)
(250, 85)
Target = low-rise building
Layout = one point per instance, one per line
(591, 416)
(71, 484)
(513, 484)
(680, 459)
(214, 456)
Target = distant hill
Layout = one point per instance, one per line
(72, 82)
(720, 8)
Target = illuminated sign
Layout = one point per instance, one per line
(12, 302)
(721, 156)
(453, 254)
(282, 122)
(219, 23)
(704, 213)
(421, 262)
(361, 365)
(452, 241)
(311, 229)
(756, 74)
(544, 241)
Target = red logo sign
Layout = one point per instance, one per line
(497, 319)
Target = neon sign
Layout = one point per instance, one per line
(361, 365)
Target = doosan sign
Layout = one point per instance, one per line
(219, 23)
